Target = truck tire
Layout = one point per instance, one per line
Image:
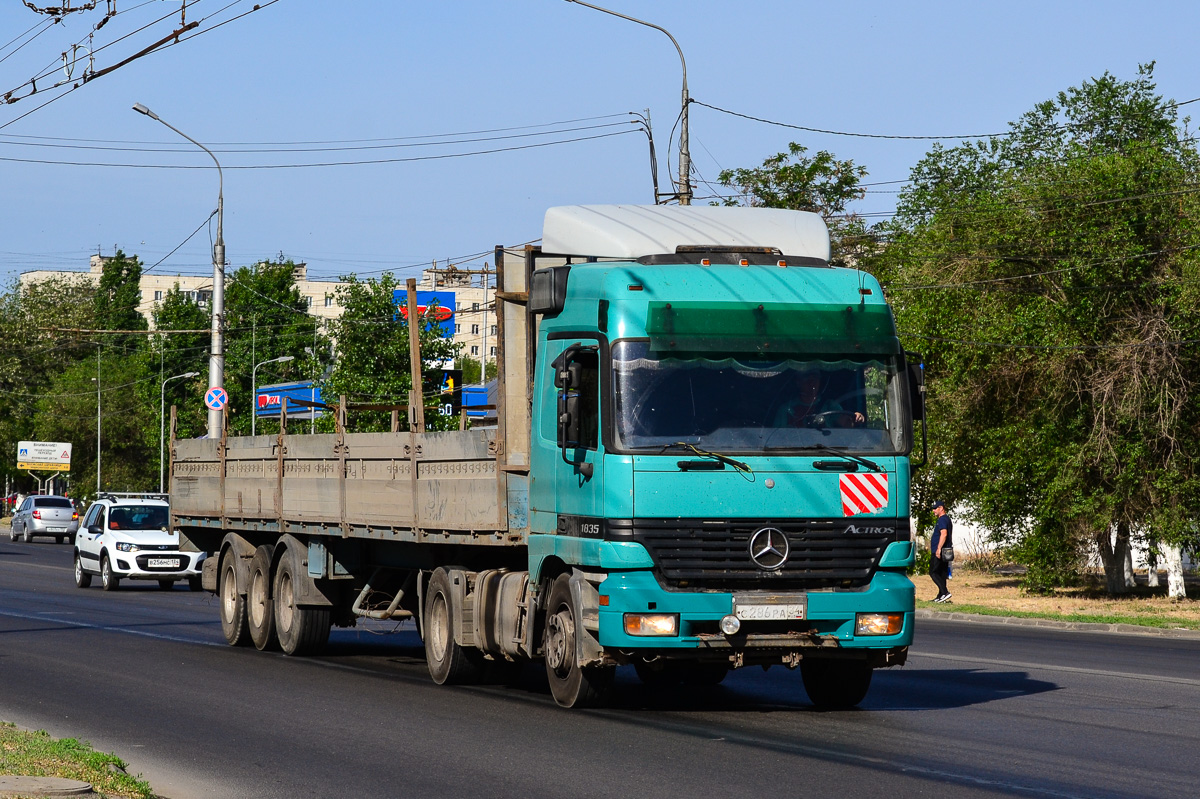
(232, 604)
(108, 580)
(260, 612)
(835, 683)
(301, 630)
(82, 578)
(571, 684)
(449, 663)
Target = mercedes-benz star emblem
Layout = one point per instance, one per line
(768, 548)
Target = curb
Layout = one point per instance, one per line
(1054, 624)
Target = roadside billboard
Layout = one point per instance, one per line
(425, 300)
(271, 399)
(48, 456)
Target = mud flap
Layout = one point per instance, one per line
(585, 596)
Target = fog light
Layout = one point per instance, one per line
(730, 625)
(878, 623)
(652, 624)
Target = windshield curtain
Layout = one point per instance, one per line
(737, 403)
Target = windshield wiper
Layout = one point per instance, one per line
(741, 467)
(872, 465)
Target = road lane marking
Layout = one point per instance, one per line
(109, 628)
(1014, 664)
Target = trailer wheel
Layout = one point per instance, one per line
(260, 612)
(449, 663)
(835, 683)
(571, 684)
(301, 630)
(233, 604)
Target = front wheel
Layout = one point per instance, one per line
(834, 683)
(108, 580)
(82, 578)
(571, 684)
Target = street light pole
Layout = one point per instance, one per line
(254, 388)
(216, 360)
(97, 381)
(685, 157)
(162, 421)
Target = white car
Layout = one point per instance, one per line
(128, 536)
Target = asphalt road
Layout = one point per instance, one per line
(978, 711)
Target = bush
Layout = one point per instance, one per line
(1052, 562)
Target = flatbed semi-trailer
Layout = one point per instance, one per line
(700, 462)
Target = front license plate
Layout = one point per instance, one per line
(770, 608)
(164, 563)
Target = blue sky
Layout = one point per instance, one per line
(371, 73)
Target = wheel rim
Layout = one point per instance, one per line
(285, 611)
(78, 569)
(229, 595)
(258, 598)
(560, 639)
(105, 572)
(439, 627)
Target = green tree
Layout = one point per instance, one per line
(180, 353)
(821, 183)
(118, 297)
(471, 371)
(1050, 278)
(265, 317)
(373, 365)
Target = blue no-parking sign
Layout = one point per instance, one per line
(216, 398)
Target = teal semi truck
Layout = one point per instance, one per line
(700, 462)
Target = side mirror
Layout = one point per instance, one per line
(916, 385)
(95, 529)
(568, 378)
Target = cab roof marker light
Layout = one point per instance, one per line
(744, 262)
(782, 264)
(866, 291)
(705, 262)
(635, 287)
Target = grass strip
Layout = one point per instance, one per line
(1148, 620)
(36, 754)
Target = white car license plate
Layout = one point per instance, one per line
(164, 563)
(56, 529)
(770, 608)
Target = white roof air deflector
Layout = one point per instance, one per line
(635, 231)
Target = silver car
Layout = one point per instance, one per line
(46, 516)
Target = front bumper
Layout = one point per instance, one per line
(142, 565)
(829, 623)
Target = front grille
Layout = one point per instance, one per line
(841, 553)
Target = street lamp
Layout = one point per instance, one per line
(685, 158)
(254, 387)
(162, 420)
(216, 360)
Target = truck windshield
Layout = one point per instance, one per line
(742, 404)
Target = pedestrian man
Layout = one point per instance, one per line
(942, 538)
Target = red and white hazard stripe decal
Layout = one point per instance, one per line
(863, 493)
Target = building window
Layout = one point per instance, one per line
(493, 330)
(493, 352)
(328, 301)
(458, 328)
(474, 306)
(475, 329)
(475, 350)
(158, 296)
(308, 302)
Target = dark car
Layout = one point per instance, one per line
(50, 516)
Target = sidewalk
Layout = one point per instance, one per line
(1055, 624)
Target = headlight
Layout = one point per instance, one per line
(878, 623)
(125, 546)
(652, 624)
